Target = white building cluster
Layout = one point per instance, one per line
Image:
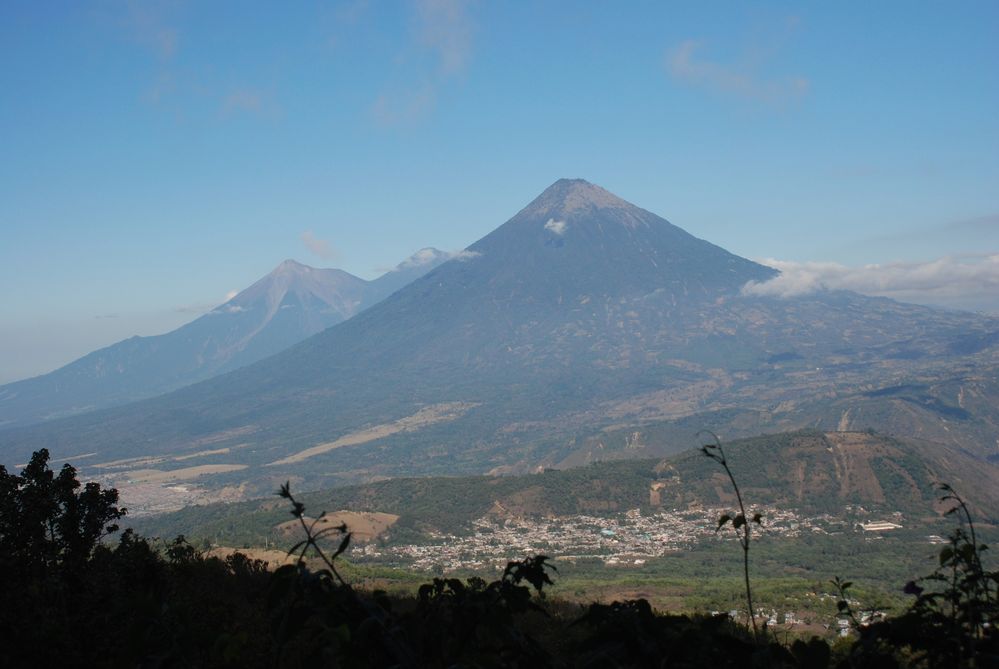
(628, 539)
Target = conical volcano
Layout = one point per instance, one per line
(291, 303)
(573, 331)
(578, 239)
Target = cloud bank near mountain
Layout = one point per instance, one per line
(969, 281)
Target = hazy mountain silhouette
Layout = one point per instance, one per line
(288, 305)
(580, 317)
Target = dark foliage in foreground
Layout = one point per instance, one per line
(71, 599)
(953, 620)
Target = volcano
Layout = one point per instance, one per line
(291, 303)
(583, 328)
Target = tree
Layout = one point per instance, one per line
(47, 523)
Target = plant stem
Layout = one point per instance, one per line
(744, 539)
(745, 546)
(312, 542)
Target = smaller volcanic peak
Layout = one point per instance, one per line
(334, 288)
(289, 264)
(292, 302)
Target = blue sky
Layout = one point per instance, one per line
(158, 155)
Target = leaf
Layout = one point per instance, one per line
(946, 555)
(739, 521)
(758, 518)
(721, 521)
(343, 546)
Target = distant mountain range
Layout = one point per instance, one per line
(288, 305)
(584, 328)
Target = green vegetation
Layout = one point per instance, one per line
(81, 601)
(789, 572)
(800, 470)
(441, 503)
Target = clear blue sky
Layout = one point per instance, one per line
(157, 155)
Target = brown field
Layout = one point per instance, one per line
(436, 413)
(148, 460)
(184, 474)
(364, 526)
(273, 557)
(201, 454)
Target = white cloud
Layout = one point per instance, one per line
(557, 227)
(741, 78)
(148, 24)
(442, 33)
(318, 247)
(227, 309)
(428, 255)
(154, 26)
(421, 258)
(231, 294)
(965, 281)
(445, 28)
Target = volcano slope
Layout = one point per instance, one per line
(583, 328)
(290, 304)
